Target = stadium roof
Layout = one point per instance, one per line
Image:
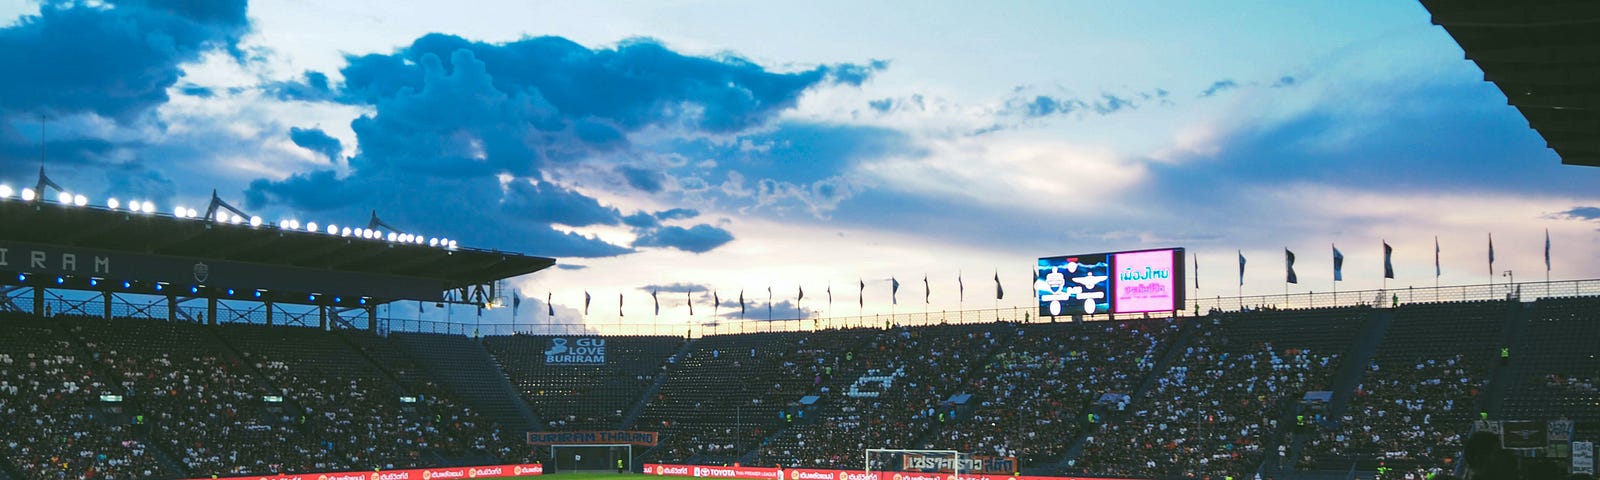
(1545, 56)
(148, 235)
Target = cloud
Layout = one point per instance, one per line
(114, 60)
(698, 239)
(1285, 81)
(571, 266)
(758, 310)
(1589, 214)
(1219, 86)
(676, 288)
(492, 124)
(315, 140)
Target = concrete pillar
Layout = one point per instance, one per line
(107, 297)
(172, 308)
(211, 311)
(372, 318)
(269, 312)
(38, 301)
(322, 317)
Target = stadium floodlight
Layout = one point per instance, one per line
(235, 219)
(28, 194)
(5, 191)
(452, 244)
(344, 232)
(333, 229)
(64, 198)
(255, 221)
(149, 207)
(392, 236)
(433, 242)
(180, 212)
(311, 226)
(80, 200)
(294, 224)
(222, 217)
(112, 203)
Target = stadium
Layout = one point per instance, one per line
(145, 341)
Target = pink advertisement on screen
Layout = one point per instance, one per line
(1143, 282)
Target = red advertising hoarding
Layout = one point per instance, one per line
(443, 473)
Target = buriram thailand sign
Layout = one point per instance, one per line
(487, 471)
(646, 439)
(761, 473)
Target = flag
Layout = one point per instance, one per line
(1338, 265)
(1388, 260)
(800, 296)
(741, 303)
(1436, 269)
(585, 303)
(961, 289)
(1547, 250)
(1241, 268)
(653, 298)
(1196, 271)
(1288, 265)
(548, 296)
(861, 296)
(619, 304)
(1491, 254)
(926, 295)
(688, 299)
(769, 302)
(894, 291)
(830, 298)
(716, 304)
(999, 293)
(516, 300)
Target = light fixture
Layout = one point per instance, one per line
(161, 286)
(5, 191)
(60, 280)
(194, 289)
(64, 198)
(230, 292)
(80, 200)
(294, 224)
(311, 297)
(149, 207)
(28, 194)
(433, 242)
(452, 244)
(345, 232)
(222, 217)
(22, 277)
(94, 282)
(255, 221)
(392, 236)
(311, 226)
(363, 300)
(180, 212)
(333, 229)
(235, 219)
(338, 299)
(127, 284)
(258, 293)
(113, 204)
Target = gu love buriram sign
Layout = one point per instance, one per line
(486, 471)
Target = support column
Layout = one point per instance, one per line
(211, 311)
(172, 308)
(269, 312)
(38, 301)
(372, 318)
(322, 317)
(107, 297)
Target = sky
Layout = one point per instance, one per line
(714, 147)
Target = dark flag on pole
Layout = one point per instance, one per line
(999, 293)
(1196, 271)
(769, 302)
(1547, 250)
(926, 294)
(1288, 265)
(830, 298)
(516, 301)
(548, 297)
(653, 298)
(1491, 254)
(1241, 268)
(861, 295)
(688, 299)
(619, 304)
(800, 296)
(1338, 265)
(741, 303)
(894, 291)
(961, 288)
(716, 304)
(586, 303)
(1388, 260)
(1436, 270)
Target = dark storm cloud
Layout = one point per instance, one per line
(1581, 213)
(314, 139)
(116, 61)
(698, 239)
(676, 288)
(450, 112)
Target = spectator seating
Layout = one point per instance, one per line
(582, 397)
(1556, 365)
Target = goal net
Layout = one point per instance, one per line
(592, 458)
(942, 463)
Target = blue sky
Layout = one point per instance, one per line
(731, 146)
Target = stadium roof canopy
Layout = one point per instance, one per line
(1545, 56)
(85, 246)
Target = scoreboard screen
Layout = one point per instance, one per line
(1119, 282)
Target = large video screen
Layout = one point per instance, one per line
(1118, 282)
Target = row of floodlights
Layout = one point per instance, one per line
(147, 207)
(164, 287)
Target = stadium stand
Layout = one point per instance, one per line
(582, 397)
(1420, 393)
(1557, 365)
(1212, 412)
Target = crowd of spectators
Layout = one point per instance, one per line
(1209, 412)
(1414, 413)
(1036, 393)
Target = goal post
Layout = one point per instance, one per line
(911, 460)
(591, 458)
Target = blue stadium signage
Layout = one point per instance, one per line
(576, 351)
